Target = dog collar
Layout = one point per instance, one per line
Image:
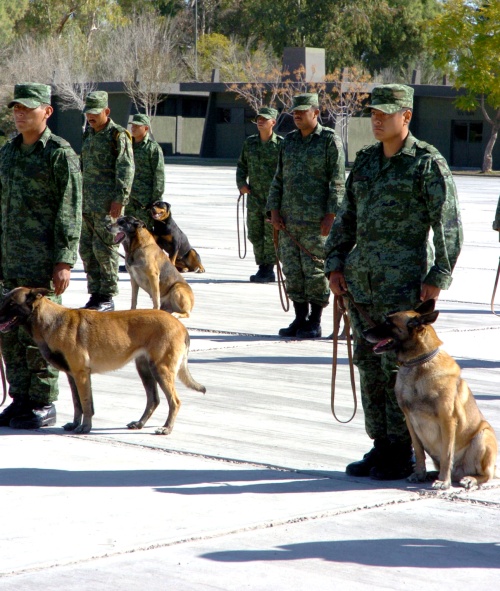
(420, 360)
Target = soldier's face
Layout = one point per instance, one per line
(98, 121)
(306, 120)
(138, 132)
(264, 124)
(387, 127)
(29, 120)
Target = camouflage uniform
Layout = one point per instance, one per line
(496, 223)
(149, 177)
(379, 240)
(308, 184)
(40, 221)
(108, 172)
(256, 168)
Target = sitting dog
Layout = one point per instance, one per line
(173, 240)
(441, 414)
(82, 342)
(150, 268)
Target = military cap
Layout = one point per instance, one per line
(141, 119)
(96, 102)
(303, 102)
(267, 113)
(391, 98)
(31, 95)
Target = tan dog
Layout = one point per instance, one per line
(442, 416)
(82, 342)
(150, 268)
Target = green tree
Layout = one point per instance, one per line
(465, 38)
(10, 12)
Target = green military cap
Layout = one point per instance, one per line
(302, 102)
(141, 119)
(96, 102)
(31, 95)
(267, 113)
(391, 98)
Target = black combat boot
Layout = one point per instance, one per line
(374, 457)
(301, 312)
(265, 274)
(397, 463)
(312, 328)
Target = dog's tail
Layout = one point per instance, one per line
(184, 373)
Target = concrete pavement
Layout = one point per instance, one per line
(249, 491)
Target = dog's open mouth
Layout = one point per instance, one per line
(384, 345)
(156, 215)
(6, 326)
(119, 237)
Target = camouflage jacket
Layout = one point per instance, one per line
(496, 223)
(380, 237)
(40, 207)
(108, 167)
(310, 176)
(257, 165)
(149, 177)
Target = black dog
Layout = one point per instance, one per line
(172, 239)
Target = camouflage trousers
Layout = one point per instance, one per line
(99, 255)
(32, 381)
(139, 212)
(377, 376)
(305, 279)
(260, 233)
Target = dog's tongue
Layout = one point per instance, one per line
(381, 344)
(6, 325)
(119, 237)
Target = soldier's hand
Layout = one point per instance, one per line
(429, 292)
(276, 220)
(337, 282)
(60, 278)
(245, 190)
(326, 223)
(115, 211)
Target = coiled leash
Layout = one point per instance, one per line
(241, 200)
(4, 381)
(495, 291)
(340, 311)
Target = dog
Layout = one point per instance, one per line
(441, 413)
(173, 240)
(82, 342)
(150, 268)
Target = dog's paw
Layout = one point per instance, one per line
(163, 431)
(135, 425)
(70, 426)
(468, 482)
(441, 484)
(417, 477)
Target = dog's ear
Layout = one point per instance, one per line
(429, 318)
(425, 307)
(167, 206)
(36, 293)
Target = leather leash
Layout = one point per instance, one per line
(285, 301)
(495, 291)
(340, 311)
(4, 381)
(241, 199)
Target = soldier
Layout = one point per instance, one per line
(305, 193)
(108, 172)
(149, 177)
(40, 221)
(378, 249)
(496, 223)
(254, 174)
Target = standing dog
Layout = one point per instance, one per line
(150, 268)
(82, 342)
(173, 240)
(442, 416)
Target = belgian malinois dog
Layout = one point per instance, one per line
(172, 239)
(441, 414)
(150, 268)
(82, 342)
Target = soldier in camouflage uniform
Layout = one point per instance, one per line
(305, 193)
(149, 177)
(108, 172)
(254, 174)
(378, 248)
(40, 221)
